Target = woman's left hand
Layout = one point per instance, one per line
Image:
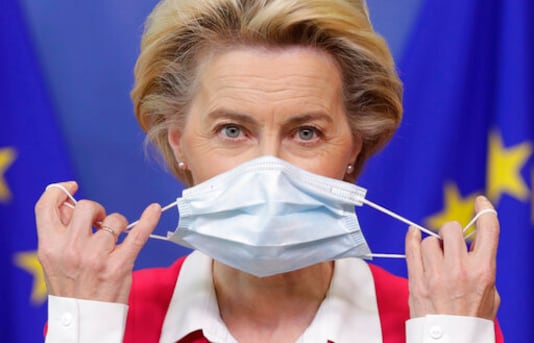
(446, 278)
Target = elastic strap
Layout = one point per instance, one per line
(128, 228)
(475, 218)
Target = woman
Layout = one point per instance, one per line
(219, 84)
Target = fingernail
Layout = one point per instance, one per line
(414, 232)
(155, 207)
(483, 198)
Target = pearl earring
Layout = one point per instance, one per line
(182, 165)
(350, 169)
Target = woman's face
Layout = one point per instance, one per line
(253, 102)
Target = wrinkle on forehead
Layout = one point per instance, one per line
(293, 76)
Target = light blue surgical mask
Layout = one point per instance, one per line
(267, 217)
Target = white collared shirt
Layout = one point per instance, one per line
(349, 310)
(340, 315)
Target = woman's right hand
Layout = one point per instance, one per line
(80, 263)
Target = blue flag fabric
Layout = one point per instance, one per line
(31, 156)
(468, 129)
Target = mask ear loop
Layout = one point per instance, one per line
(399, 217)
(67, 193)
(402, 219)
(363, 200)
(128, 228)
(163, 209)
(427, 231)
(475, 218)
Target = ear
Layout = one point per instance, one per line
(174, 137)
(357, 144)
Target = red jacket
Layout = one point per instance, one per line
(152, 290)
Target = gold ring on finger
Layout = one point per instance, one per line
(110, 230)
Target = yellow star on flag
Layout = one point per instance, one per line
(504, 169)
(456, 208)
(7, 156)
(29, 262)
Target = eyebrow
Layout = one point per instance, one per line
(228, 114)
(310, 116)
(248, 119)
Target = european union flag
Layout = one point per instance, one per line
(31, 156)
(468, 129)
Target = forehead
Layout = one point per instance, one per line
(272, 76)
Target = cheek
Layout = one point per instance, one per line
(206, 168)
(334, 170)
(204, 156)
(324, 164)
(205, 161)
(335, 158)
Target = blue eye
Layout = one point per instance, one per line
(231, 131)
(307, 133)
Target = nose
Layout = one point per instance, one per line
(269, 145)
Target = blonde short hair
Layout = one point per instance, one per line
(179, 32)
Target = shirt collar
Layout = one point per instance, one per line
(348, 311)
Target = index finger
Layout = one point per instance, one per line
(47, 207)
(138, 236)
(61, 190)
(414, 256)
(488, 228)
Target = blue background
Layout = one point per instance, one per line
(87, 51)
(467, 67)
